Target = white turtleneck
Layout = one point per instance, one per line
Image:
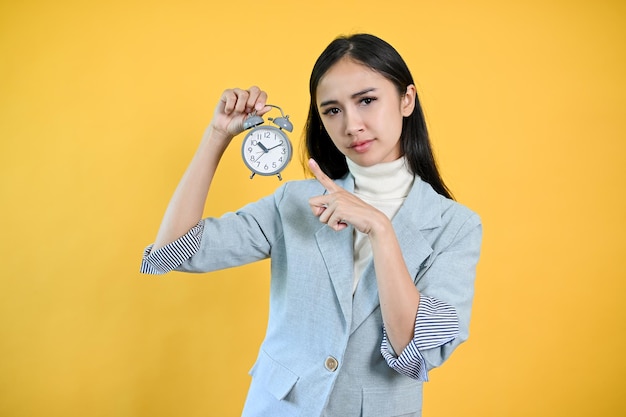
(385, 187)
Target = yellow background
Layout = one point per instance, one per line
(103, 103)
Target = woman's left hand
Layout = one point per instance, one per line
(338, 207)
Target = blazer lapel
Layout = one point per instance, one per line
(337, 249)
(421, 211)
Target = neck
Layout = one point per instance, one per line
(386, 180)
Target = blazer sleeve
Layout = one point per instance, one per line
(234, 239)
(446, 285)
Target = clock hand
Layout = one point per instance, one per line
(259, 157)
(263, 147)
(279, 144)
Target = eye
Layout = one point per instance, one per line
(331, 111)
(366, 101)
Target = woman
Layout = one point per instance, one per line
(373, 263)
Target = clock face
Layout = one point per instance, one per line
(266, 150)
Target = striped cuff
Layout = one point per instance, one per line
(172, 255)
(436, 324)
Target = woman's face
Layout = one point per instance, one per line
(362, 112)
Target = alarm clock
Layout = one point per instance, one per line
(266, 150)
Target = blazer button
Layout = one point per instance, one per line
(331, 364)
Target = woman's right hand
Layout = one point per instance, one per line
(187, 204)
(234, 107)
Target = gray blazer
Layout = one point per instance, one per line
(321, 353)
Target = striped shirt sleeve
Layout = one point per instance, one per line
(436, 324)
(172, 255)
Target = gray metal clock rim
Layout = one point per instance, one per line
(289, 147)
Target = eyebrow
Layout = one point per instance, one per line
(353, 96)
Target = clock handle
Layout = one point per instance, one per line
(254, 120)
(282, 122)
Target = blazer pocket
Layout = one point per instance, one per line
(407, 401)
(272, 375)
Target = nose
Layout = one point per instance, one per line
(353, 123)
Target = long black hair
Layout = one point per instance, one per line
(381, 57)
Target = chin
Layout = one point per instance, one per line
(363, 161)
(368, 161)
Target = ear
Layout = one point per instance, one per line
(407, 101)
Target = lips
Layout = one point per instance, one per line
(361, 145)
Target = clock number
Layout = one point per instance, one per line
(252, 158)
(266, 134)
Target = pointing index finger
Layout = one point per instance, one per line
(322, 177)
